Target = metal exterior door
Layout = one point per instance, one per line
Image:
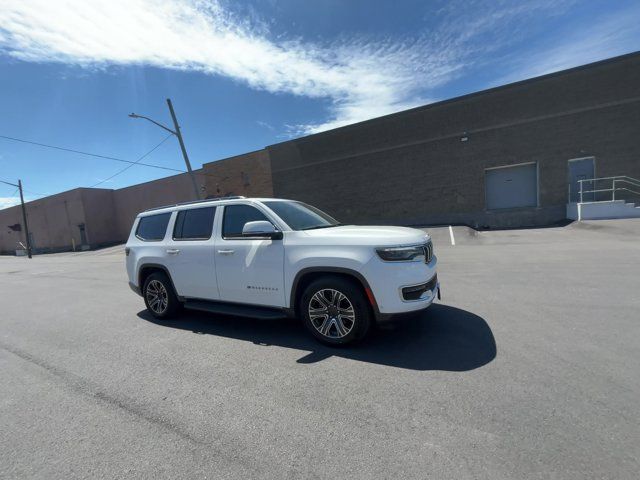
(581, 169)
(512, 187)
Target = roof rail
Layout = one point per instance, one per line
(192, 202)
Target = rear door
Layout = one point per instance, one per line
(190, 253)
(249, 270)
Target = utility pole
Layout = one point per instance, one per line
(184, 150)
(24, 219)
(177, 133)
(24, 214)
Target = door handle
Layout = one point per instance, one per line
(173, 251)
(226, 252)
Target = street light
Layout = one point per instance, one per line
(177, 133)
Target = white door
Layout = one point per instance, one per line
(249, 270)
(190, 254)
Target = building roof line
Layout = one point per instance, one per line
(466, 133)
(466, 96)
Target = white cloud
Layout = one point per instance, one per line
(266, 125)
(6, 202)
(361, 77)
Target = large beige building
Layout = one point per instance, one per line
(88, 217)
(504, 157)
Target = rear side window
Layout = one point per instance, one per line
(235, 216)
(194, 224)
(153, 227)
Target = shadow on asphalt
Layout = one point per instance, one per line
(439, 338)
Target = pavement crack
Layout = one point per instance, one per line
(91, 389)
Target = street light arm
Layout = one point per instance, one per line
(12, 184)
(178, 135)
(135, 115)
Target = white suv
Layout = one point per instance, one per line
(270, 257)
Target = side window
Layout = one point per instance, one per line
(235, 216)
(153, 227)
(194, 224)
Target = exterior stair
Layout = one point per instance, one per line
(599, 199)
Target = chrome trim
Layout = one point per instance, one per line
(428, 251)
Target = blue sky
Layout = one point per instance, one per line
(243, 75)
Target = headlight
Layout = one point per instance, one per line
(402, 254)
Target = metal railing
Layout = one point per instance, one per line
(607, 189)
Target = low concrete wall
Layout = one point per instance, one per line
(602, 210)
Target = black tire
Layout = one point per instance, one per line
(158, 288)
(329, 325)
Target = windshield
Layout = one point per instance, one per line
(300, 216)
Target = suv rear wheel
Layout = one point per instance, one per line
(335, 311)
(159, 297)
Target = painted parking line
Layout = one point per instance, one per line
(453, 240)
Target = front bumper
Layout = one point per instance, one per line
(423, 304)
(388, 279)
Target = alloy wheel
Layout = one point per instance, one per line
(331, 313)
(157, 297)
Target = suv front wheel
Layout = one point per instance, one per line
(159, 297)
(335, 311)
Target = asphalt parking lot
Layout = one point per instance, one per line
(528, 368)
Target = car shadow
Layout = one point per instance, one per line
(439, 338)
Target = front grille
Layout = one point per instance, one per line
(428, 251)
(415, 292)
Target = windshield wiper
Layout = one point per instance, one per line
(322, 226)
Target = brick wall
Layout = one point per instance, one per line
(413, 168)
(248, 175)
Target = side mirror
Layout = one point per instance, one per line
(261, 229)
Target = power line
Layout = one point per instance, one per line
(8, 183)
(89, 154)
(28, 191)
(137, 162)
(106, 157)
(14, 193)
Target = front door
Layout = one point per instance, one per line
(249, 270)
(581, 169)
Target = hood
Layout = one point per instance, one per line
(369, 235)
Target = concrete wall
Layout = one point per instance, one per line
(53, 221)
(413, 168)
(248, 175)
(130, 201)
(106, 214)
(100, 216)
